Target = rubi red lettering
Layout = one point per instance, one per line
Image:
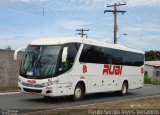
(112, 70)
(31, 81)
(106, 69)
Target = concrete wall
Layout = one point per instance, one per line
(9, 68)
(152, 72)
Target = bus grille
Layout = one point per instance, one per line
(32, 85)
(32, 90)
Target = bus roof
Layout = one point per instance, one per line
(63, 40)
(56, 40)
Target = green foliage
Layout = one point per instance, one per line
(156, 82)
(152, 55)
(58, 113)
(148, 80)
(8, 88)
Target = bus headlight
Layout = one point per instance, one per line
(20, 81)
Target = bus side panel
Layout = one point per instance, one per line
(133, 75)
(93, 77)
(96, 81)
(62, 85)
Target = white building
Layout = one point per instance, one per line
(152, 69)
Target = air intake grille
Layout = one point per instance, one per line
(32, 90)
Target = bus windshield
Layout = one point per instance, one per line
(39, 61)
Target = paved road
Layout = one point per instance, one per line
(27, 103)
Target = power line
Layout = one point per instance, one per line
(115, 12)
(22, 7)
(135, 46)
(26, 7)
(41, 11)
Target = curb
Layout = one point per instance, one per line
(9, 93)
(151, 85)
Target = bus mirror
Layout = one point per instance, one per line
(16, 52)
(64, 54)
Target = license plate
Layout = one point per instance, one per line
(32, 93)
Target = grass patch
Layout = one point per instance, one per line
(9, 88)
(148, 80)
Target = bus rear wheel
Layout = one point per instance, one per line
(78, 93)
(124, 89)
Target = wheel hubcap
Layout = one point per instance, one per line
(124, 89)
(78, 93)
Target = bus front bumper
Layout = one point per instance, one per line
(45, 91)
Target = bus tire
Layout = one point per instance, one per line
(124, 89)
(78, 92)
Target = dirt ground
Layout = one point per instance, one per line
(126, 107)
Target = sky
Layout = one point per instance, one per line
(22, 21)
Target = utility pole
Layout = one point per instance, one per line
(115, 12)
(82, 32)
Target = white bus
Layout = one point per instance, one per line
(63, 66)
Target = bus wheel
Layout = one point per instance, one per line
(78, 93)
(124, 89)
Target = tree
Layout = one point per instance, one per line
(152, 55)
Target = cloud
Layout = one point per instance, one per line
(88, 4)
(73, 24)
(40, 1)
(143, 2)
(93, 5)
(136, 25)
(76, 4)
